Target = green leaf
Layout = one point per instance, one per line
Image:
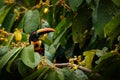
(2, 3)
(9, 20)
(112, 25)
(21, 23)
(10, 40)
(32, 20)
(24, 37)
(3, 12)
(55, 74)
(23, 69)
(27, 56)
(43, 74)
(81, 75)
(60, 75)
(112, 29)
(81, 26)
(74, 4)
(89, 55)
(11, 61)
(102, 14)
(3, 50)
(68, 73)
(29, 3)
(105, 57)
(35, 74)
(116, 2)
(51, 75)
(88, 1)
(60, 31)
(37, 58)
(8, 56)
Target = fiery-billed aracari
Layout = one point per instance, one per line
(34, 39)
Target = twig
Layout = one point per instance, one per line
(80, 67)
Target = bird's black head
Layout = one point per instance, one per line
(34, 36)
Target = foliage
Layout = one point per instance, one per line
(86, 28)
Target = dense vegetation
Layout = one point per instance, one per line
(86, 41)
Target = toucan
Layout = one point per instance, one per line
(34, 39)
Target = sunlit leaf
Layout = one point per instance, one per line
(89, 55)
(111, 26)
(32, 20)
(27, 56)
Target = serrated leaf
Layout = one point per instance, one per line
(32, 20)
(27, 56)
(74, 4)
(7, 57)
(89, 55)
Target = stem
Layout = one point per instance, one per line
(80, 67)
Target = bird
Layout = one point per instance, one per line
(36, 42)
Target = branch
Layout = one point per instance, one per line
(80, 67)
